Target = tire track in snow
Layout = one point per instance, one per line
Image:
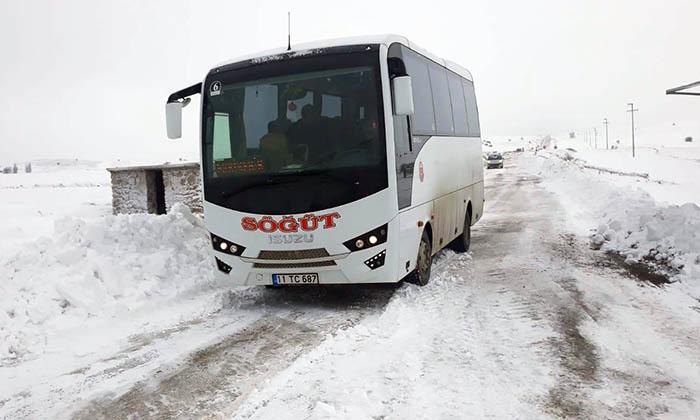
(212, 379)
(546, 292)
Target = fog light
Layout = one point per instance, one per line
(223, 246)
(222, 266)
(233, 249)
(359, 243)
(373, 239)
(376, 261)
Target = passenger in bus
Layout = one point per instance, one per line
(274, 147)
(310, 133)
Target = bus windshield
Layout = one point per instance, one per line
(319, 128)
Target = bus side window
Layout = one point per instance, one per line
(459, 110)
(423, 119)
(441, 100)
(472, 110)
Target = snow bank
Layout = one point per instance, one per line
(97, 270)
(667, 238)
(623, 217)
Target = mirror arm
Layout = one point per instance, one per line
(185, 93)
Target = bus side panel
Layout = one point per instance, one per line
(478, 188)
(452, 178)
(477, 201)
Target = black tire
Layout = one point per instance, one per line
(424, 261)
(463, 241)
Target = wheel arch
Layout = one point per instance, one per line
(429, 230)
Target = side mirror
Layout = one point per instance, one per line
(173, 119)
(402, 92)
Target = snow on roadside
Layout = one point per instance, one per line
(90, 272)
(620, 215)
(673, 173)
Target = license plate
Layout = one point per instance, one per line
(306, 278)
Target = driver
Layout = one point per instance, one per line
(310, 132)
(274, 147)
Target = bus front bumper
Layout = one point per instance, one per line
(372, 265)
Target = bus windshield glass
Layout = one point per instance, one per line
(283, 134)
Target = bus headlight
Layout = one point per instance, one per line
(372, 238)
(227, 247)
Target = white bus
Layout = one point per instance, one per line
(343, 161)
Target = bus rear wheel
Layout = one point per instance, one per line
(424, 261)
(463, 241)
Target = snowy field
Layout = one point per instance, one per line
(32, 202)
(118, 316)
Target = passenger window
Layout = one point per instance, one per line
(472, 110)
(294, 107)
(260, 108)
(441, 100)
(459, 110)
(222, 137)
(423, 118)
(331, 106)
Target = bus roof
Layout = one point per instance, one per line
(388, 39)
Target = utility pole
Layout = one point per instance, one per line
(605, 121)
(289, 31)
(632, 110)
(595, 131)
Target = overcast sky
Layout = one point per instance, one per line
(89, 79)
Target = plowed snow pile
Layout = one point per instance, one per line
(621, 215)
(88, 272)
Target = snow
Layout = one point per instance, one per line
(672, 171)
(90, 271)
(509, 143)
(93, 304)
(68, 262)
(645, 209)
(418, 359)
(31, 202)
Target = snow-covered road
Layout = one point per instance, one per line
(531, 324)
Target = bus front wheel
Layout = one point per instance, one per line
(424, 261)
(463, 241)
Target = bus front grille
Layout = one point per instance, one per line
(301, 254)
(327, 263)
